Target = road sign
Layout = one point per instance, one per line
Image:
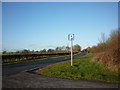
(71, 37)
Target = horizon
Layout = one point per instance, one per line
(35, 26)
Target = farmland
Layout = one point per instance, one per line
(7, 59)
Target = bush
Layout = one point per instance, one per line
(107, 50)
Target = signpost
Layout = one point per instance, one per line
(71, 38)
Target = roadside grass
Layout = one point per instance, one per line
(37, 59)
(83, 68)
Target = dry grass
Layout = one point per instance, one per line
(107, 51)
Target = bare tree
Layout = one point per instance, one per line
(102, 39)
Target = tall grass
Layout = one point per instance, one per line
(107, 51)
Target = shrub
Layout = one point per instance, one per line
(107, 50)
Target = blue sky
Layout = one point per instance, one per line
(40, 25)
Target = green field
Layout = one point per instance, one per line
(83, 68)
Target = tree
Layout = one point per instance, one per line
(57, 49)
(25, 51)
(36, 51)
(77, 48)
(102, 43)
(17, 52)
(4, 52)
(43, 51)
(60, 48)
(88, 49)
(51, 50)
(67, 48)
(103, 38)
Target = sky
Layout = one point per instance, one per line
(39, 25)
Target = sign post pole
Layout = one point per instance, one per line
(71, 53)
(71, 38)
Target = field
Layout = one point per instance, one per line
(83, 68)
(8, 59)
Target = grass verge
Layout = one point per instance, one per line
(83, 68)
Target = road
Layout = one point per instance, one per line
(20, 75)
(15, 68)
